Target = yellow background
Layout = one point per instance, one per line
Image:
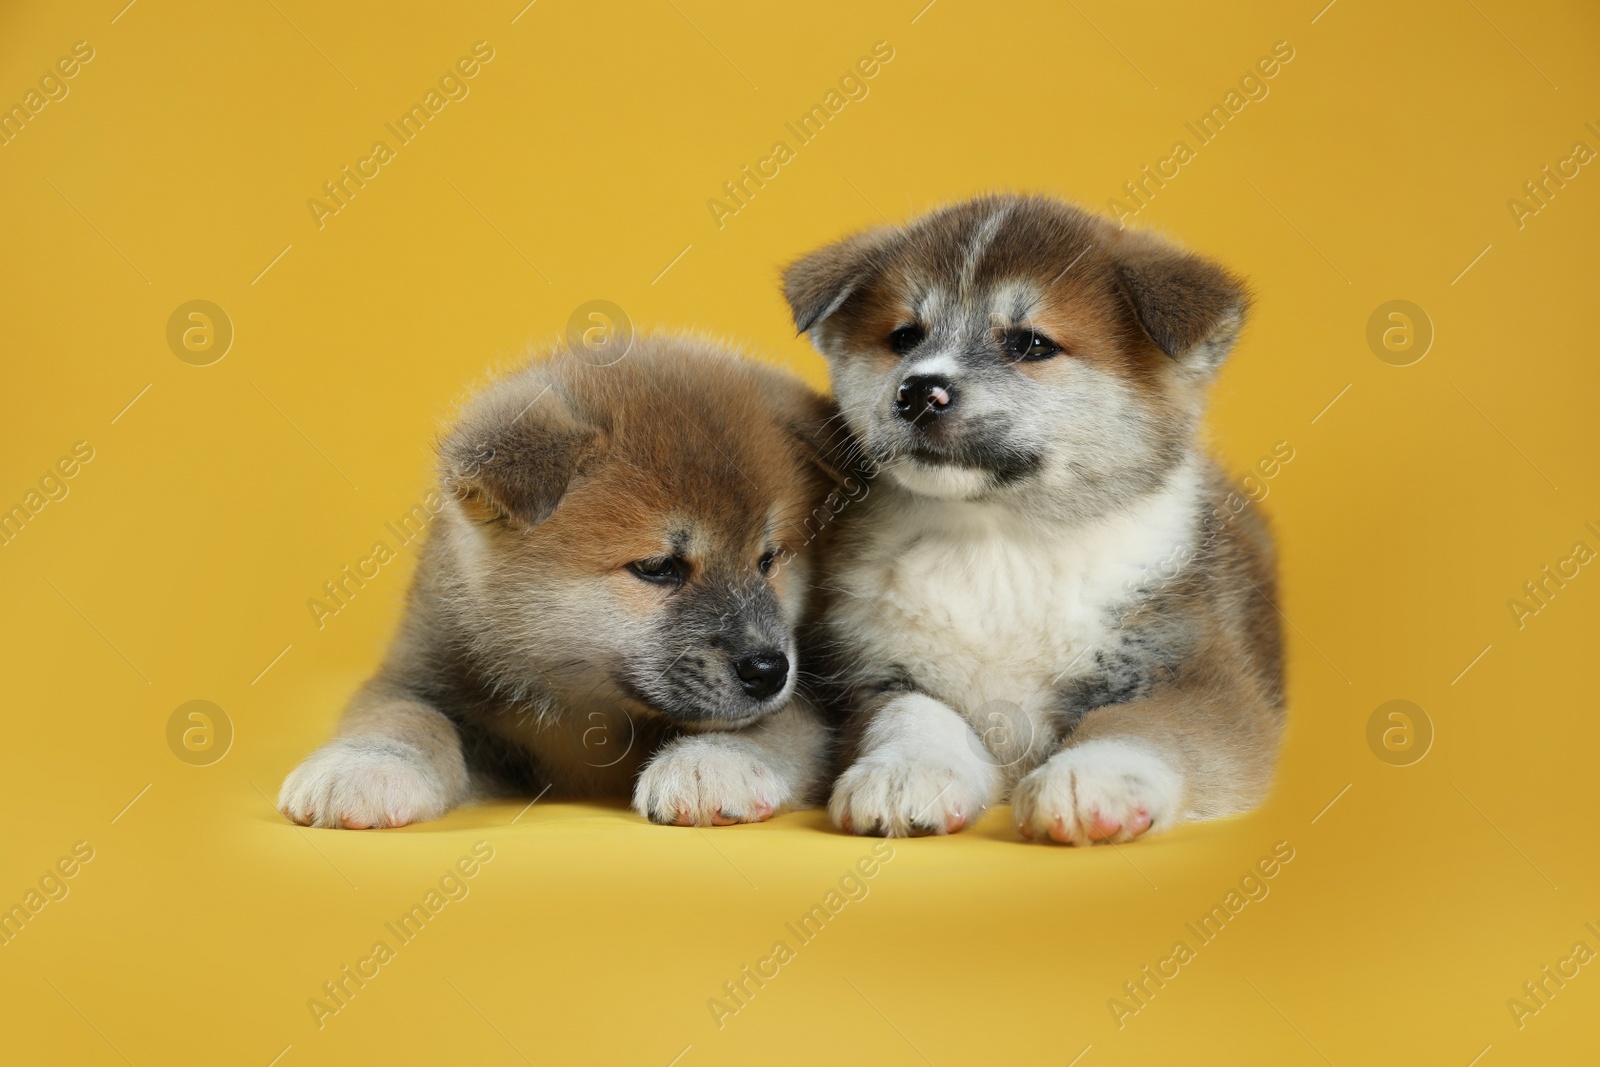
(579, 167)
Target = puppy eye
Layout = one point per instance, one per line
(663, 570)
(1030, 345)
(906, 338)
(767, 561)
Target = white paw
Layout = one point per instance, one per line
(708, 780)
(362, 784)
(1101, 790)
(886, 796)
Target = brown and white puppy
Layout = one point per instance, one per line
(606, 606)
(1043, 594)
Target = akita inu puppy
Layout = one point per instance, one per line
(606, 605)
(1043, 594)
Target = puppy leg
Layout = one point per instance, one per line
(396, 761)
(919, 769)
(721, 778)
(1192, 752)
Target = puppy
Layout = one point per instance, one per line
(1043, 593)
(607, 603)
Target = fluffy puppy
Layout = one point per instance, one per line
(606, 605)
(1043, 594)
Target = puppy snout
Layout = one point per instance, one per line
(922, 398)
(762, 673)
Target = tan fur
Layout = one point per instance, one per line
(533, 658)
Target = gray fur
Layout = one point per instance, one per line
(1039, 596)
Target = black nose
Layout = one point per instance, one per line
(762, 673)
(922, 398)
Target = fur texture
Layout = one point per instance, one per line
(1042, 594)
(606, 606)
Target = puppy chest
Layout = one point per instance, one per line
(987, 618)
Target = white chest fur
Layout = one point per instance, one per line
(981, 605)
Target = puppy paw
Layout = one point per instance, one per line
(1101, 790)
(708, 781)
(363, 784)
(887, 797)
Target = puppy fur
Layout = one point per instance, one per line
(1043, 594)
(538, 652)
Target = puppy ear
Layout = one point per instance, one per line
(825, 441)
(818, 284)
(514, 458)
(1190, 307)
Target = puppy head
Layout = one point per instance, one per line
(636, 534)
(1009, 345)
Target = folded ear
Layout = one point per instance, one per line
(818, 284)
(514, 456)
(826, 443)
(1190, 307)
